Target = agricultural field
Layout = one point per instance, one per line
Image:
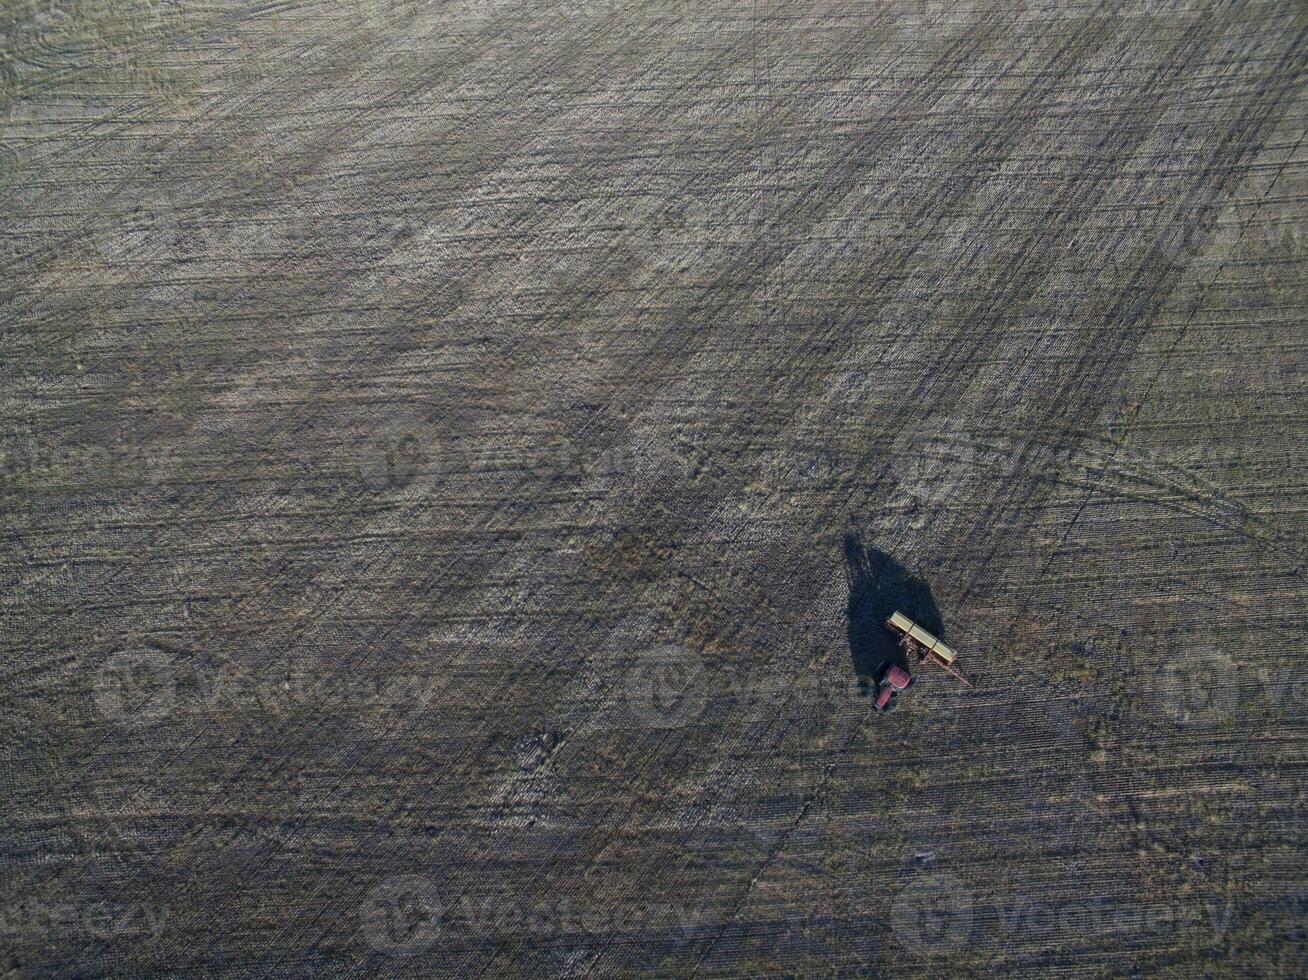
(458, 457)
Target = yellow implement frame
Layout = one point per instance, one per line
(925, 643)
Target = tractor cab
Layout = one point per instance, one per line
(895, 681)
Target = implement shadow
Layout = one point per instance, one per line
(879, 586)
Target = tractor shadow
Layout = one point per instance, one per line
(878, 586)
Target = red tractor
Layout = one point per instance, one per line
(895, 681)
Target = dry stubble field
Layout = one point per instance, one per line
(457, 456)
